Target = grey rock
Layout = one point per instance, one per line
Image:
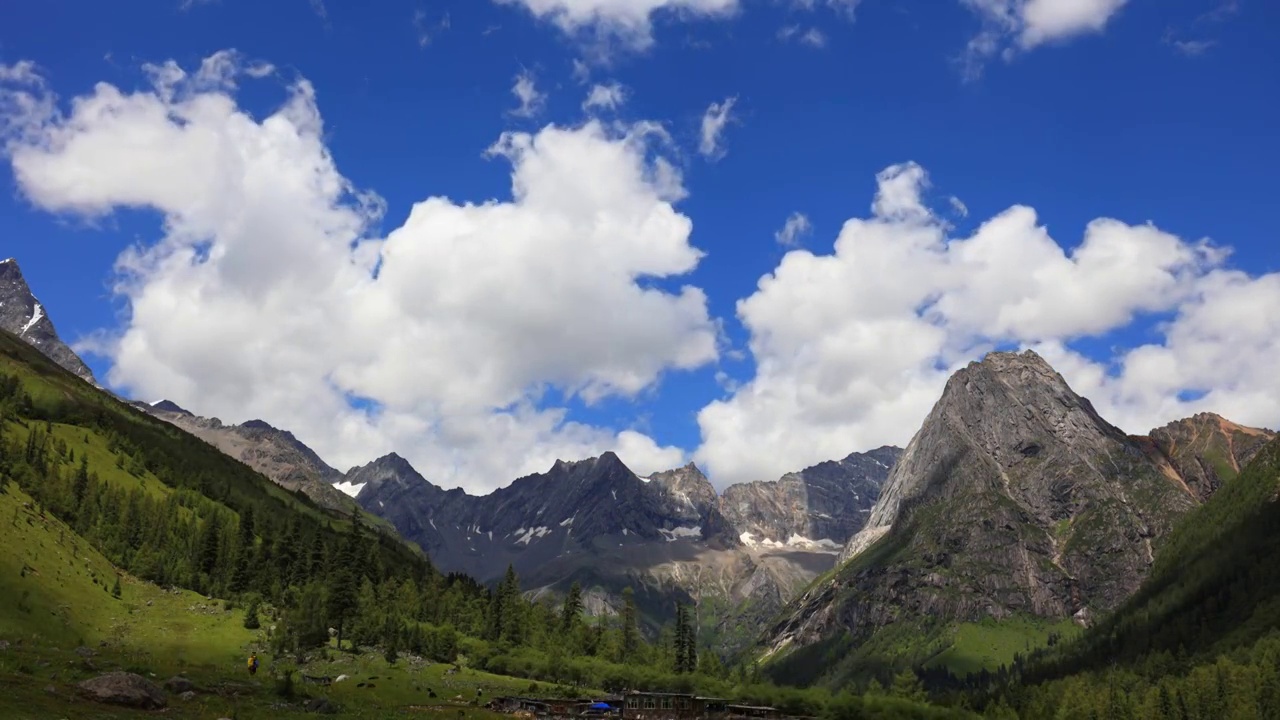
(275, 453)
(84, 652)
(668, 536)
(1015, 497)
(23, 315)
(188, 695)
(178, 684)
(1205, 450)
(824, 504)
(321, 706)
(122, 688)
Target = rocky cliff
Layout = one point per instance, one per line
(1206, 450)
(24, 316)
(820, 507)
(1013, 498)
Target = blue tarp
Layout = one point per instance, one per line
(600, 706)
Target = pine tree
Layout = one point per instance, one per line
(251, 620)
(572, 609)
(630, 627)
(391, 639)
(344, 586)
(209, 542)
(115, 589)
(81, 484)
(907, 685)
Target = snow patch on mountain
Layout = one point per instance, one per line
(350, 488)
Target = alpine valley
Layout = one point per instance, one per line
(1019, 537)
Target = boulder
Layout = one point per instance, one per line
(122, 688)
(321, 706)
(178, 684)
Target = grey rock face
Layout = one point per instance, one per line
(595, 522)
(573, 508)
(275, 453)
(1014, 497)
(24, 316)
(1205, 450)
(819, 507)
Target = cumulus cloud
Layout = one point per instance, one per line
(714, 120)
(607, 96)
(1010, 26)
(794, 229)
(624, 24)
(853, 347)
(266, 295)
(532, 101)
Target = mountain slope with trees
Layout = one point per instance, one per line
(1200, 638)
(160, 507)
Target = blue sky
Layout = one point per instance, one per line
(1148, 111)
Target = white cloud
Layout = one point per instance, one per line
(609, 96)
(1010, 26)
(25, 103)
(261, 298)
(794, 229)
(813, 37)
(844, 6)
(625, 24)
(531, 100)
(852, 348)
(714, 120)
(427, 31)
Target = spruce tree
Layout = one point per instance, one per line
(81, 484)
(630, 626)
(251, 620)
(115, 589)
(572, 609)
(344, 583)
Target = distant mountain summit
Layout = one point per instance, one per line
(23, 315)
(739, 557)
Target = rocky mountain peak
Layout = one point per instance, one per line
(391, 468)
(1006, 410)
(23, 315)
(170, 407)
(1013, 498)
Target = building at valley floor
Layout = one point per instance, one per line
(638, 706)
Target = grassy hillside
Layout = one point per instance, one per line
(56, 596)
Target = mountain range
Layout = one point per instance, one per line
(1014, 501)
(669, 536)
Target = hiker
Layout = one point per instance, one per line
(253, 663)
